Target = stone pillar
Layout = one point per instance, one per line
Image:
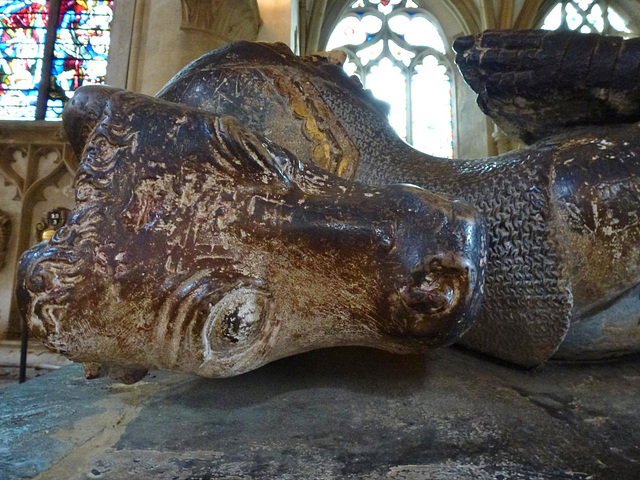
(280, 22)
(168, 34)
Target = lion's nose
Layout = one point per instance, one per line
(434, 290)
(24, 281)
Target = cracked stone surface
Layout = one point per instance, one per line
(339, 413)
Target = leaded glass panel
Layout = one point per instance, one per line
(586, 16)
(22, 37)
(398, 53)
(79, 53)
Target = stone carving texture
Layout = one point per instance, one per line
(199, 246)
(562, 215)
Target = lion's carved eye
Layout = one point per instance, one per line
(236, 321)
(238, 324)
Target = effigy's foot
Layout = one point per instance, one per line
(538, 83)
(198, 246)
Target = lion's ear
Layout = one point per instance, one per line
(83, 112)
(255, 155)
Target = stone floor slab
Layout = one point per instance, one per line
(339, 413)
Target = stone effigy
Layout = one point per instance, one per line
(535, 84)
(196, 245)
(563, 215)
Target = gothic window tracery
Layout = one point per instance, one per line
(398, 52)
(76, 56)
(587, 16)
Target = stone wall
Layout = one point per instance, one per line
(35, 176)
(168, 34)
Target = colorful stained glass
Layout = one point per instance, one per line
(80, 51)
(79, 57)
(22, 37)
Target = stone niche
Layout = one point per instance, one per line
(36, 175)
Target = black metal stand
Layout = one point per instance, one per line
(24, 344)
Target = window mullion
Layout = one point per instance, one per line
(47, 61)
(409, 102)
(605, 17)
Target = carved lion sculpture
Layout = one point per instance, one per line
(198, 246)
(563, 215)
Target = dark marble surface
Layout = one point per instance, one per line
(340, 413)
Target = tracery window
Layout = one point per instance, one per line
(397, 51)
(65, 41)
(587, 16)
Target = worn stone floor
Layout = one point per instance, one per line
(40, 361)
(339, 413)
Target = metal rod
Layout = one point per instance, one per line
(47, 60)
(409, 105)
(24, 344)
(35, 366)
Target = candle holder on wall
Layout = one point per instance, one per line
(51, 222)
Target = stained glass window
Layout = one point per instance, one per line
(397, 51)
(587, 16)
(76, 55)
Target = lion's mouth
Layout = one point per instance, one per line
(431, 302)
(48, 277)
(46, 318)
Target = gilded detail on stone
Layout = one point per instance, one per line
(259, 207)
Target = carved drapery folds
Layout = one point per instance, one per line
(228, 20)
